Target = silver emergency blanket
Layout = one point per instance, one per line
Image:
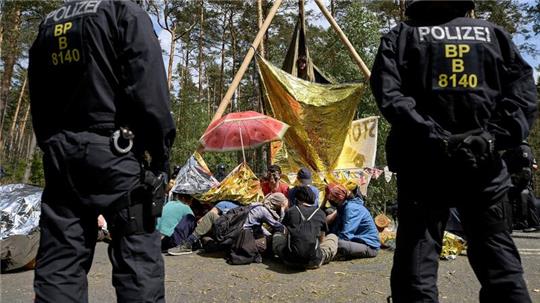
(194, 177)
(20, 208)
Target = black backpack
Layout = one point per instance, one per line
(229, 225)
(303, 239)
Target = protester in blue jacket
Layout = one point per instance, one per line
(352, 223)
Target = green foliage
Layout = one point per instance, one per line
(230, 26)
(14, 172)
(37, 175)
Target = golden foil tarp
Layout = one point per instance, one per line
(194, 177)
(240, 185)
(319, 116)
(453, 246)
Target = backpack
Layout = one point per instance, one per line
(229, 225)
(303, 239)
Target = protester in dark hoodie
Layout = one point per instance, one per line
(306, 243)
(304, 179)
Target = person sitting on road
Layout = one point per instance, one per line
(272, 183)
(275, 206)
(204, 227)
(306, 244)
(252, 240)
(352, 223)
(176, 222)
(304, 178)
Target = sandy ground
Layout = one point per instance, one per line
(208, 278)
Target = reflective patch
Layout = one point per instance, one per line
(457, 66)
(64, 44)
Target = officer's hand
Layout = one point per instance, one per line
(470, 150)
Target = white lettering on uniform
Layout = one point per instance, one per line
(466, 35)
(77, 9)
(423, 31)
(459, 33)
(448, 36)
(440, 32)
(479, 33)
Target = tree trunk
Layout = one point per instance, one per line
(171, 58)
(222, 56)
(9, 58)
(186, 74)
(209, 100)
(201, 57)
(260, 19)
(22, 129)
(29, 159)
(2, 14)
(233, 54)
(16, 114)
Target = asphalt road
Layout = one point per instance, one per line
(207, 278)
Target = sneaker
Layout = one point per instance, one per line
(182, 249)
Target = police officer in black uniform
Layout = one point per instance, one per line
(521, 163)
(100, 106)
(456, 91)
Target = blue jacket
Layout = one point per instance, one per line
(354, 223)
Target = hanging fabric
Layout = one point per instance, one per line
(319, 116)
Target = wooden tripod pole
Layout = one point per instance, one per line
(234, 84)
(363, 67)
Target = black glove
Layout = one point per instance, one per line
(471, 150)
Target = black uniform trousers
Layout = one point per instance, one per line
(524, 210)
(493, 256)
(83, 179)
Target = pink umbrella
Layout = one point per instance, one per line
(237, 131)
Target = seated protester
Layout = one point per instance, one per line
(222, 207)
(204, 227)
(304, 177)
(306, 243)
(253, 236)
(274, 207)
(176, 222)
(200, 209)
(352, 223)
(272, 183)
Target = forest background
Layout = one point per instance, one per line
(204, 43)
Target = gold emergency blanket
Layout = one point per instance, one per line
(240, 185)
(453, 246)
(319, 116)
